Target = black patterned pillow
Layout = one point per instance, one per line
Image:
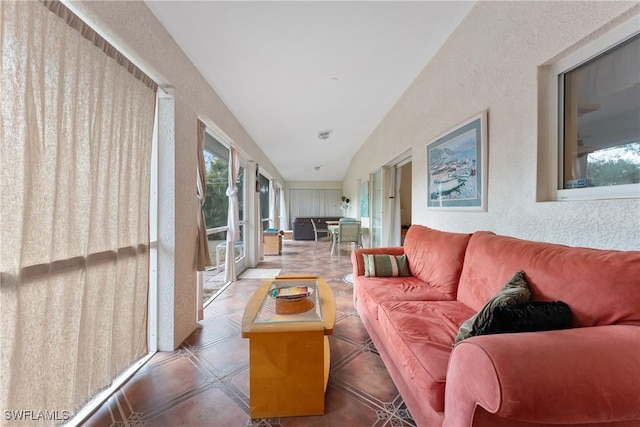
(514, 292)
(532, 316)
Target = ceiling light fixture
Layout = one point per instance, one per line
(324, 135)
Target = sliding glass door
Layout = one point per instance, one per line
(216, 205)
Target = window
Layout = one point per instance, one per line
(599, 118)
(264, 200)
(216, 205)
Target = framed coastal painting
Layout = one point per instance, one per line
(457, 167)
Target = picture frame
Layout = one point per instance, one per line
(457, 167)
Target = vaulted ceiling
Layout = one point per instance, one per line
(291, 70)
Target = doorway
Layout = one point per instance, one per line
(391, 194)
(403, 202)
(399, 187)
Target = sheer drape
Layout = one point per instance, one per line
(202, 257)
(284, 217)
(233, 232)
(255, 254)
(76, 129)
(314, 202)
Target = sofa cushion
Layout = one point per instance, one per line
(600, 286)
(420, 334)
(385, 265)
(371, 291)
(436, 257)
(515, 291)
(531, 316)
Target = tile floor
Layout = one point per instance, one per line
(206, 381)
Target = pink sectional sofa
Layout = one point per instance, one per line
(587, 375)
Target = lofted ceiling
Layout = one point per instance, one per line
(293, 69)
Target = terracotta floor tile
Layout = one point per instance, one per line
(212, 330)
(341, 350)
(367, 373)
(108, 414)
(241, 381)
(225, 304)
(212, 407)
(149, 389)
(351, 327)
(206, 381)
(341, 409)
(228, 355)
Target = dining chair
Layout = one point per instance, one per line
(348, 232)
(319, 234)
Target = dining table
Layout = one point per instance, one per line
(334, 231)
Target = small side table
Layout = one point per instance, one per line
(272, 243)
(289, 355)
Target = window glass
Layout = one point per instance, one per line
(216, 204)
(264, 200)
(601, 119)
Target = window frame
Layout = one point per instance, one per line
(603, 44)
(265, 220)
(221, 138)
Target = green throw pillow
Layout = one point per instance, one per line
(515, 291)
(385, 265)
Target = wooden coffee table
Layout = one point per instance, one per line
(289, 354)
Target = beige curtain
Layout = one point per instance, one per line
(203, 258)
(273, 205)
(75, 129)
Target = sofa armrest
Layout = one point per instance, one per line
(358, 262)
(581, 375)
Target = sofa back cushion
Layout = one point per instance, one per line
(601, 287)
(436, 257)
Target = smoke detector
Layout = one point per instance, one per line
(324, 135)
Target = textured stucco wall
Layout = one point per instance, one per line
(491, 63)
(132, 28)
(166, 219)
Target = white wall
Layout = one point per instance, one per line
(132, 28)
(491, 62)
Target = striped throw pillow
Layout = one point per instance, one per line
(385, 265)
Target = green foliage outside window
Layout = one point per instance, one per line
(216, 204)
(618, 166)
